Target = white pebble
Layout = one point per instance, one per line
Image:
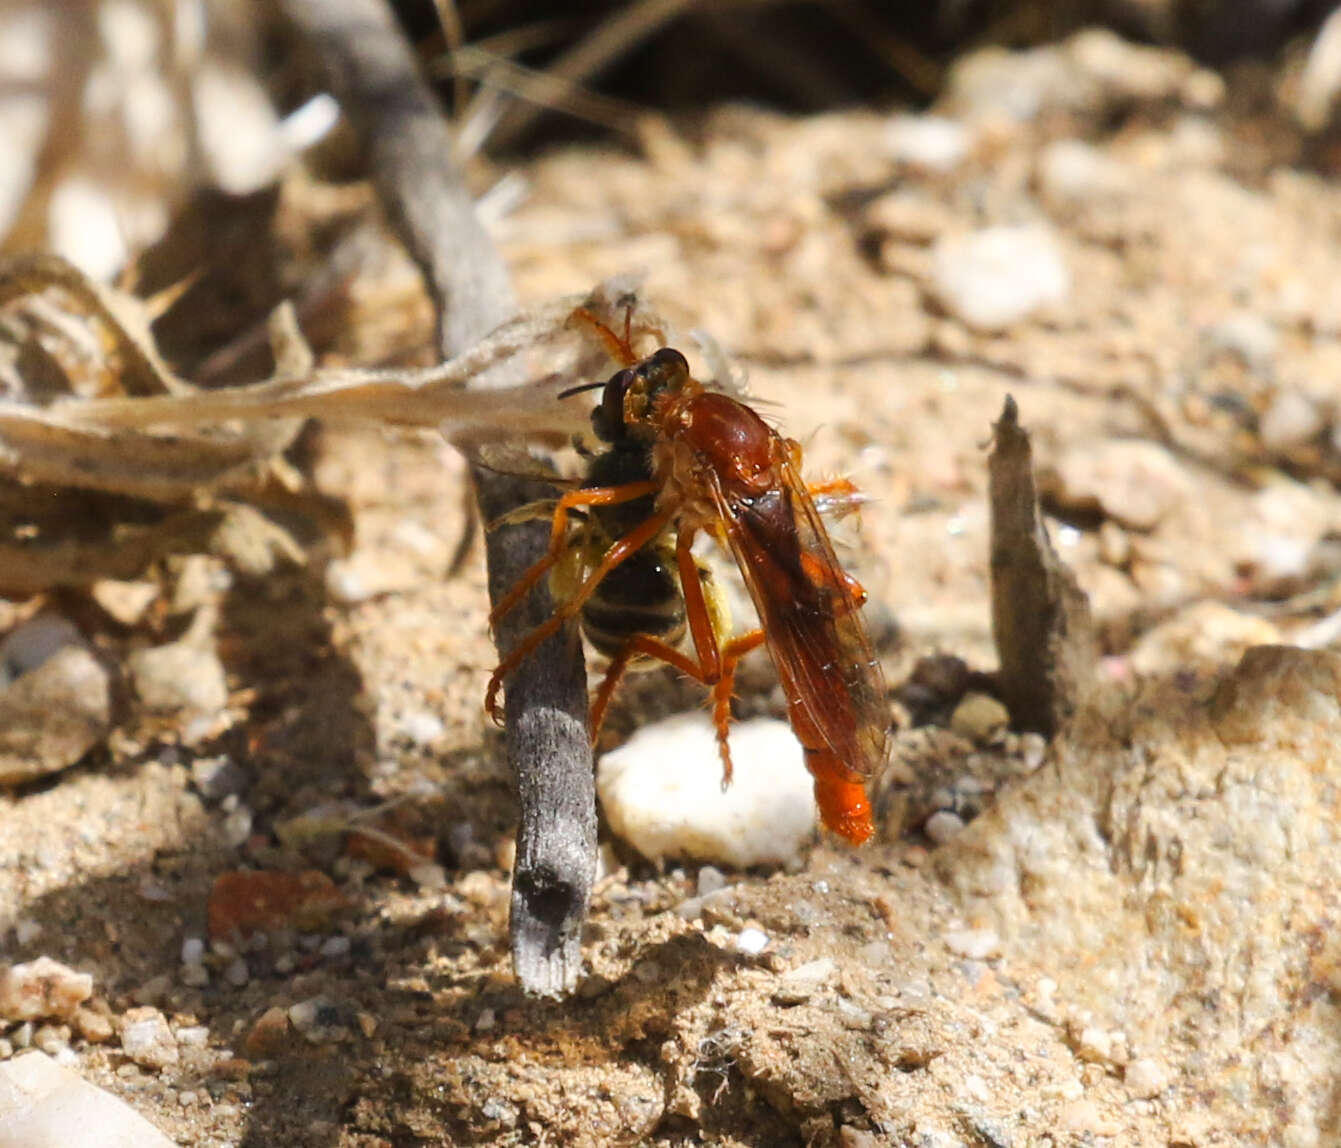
(662, 793)
(933, 143)
(27, 931)
(993, 278)
(975, 944)
(146, 1038)
(333, 948)
(752, 941)
(42, 988)
(193, 951)
(710, 879)
(943, 825)
(1146, 1078)
(1291, 420)
(193, 1036)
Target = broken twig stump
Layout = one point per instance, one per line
(1040, 616)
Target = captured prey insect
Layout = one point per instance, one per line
(680, 459)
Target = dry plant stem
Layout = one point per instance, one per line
(1040, 616)
(409, 152)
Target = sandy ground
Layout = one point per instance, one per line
(1128, 942)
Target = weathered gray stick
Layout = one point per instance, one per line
(1040, 615)
(408, 148)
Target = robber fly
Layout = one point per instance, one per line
(679, 460)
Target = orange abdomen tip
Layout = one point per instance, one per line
(844, 808)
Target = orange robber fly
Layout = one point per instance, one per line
(680, 459)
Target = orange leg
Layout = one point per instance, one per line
(590, 496)
(621, 350)
(722, 682)
(621, 550)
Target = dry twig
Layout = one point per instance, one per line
(408, 151)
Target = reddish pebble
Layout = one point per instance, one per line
(391, 851)
(247, 901)
(268, 1035)
(231, 1068)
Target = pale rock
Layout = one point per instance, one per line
(53, 715)
(1248, 336)
(973, 944)
(1073, 172)
(1146, 1078)
(931, 143)
(979, 718)
(180, 677)
(1291, 420)
(943, 826)
(998, 276)
(147, 1039)
(42, 988)
(44, 1105)
(1134, 482)
(662, 793)
(125, 602)
(1204, 634)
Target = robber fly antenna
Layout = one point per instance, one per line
(577, 390)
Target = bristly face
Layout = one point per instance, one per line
(630, 395)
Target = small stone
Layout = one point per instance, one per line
(237, 974)
(94, 1026)
(268, 1035)
(218, 777)
(999, 276)
(26, 931)
(193, 1036)
(1134, 482)
(930, 143)
(798, 985)
(193, 951)
(662, 793)
(45, 1105)
(973, 944)
(245, 902)
(1246, 335)
(1146, 1078)
(752, 941)
(318, 1020)
(904, 217)
(125, 602)
(710, 880)
(1202, 635)
(486, 1021)
(147, 1039)
(1074, 172)
(53, 1039)
(367, 1024)
(420, 727)
(1292, 420)
(979, 718)
(36, 642)
(42, 988)
(195, 976)
(943, 826)
(334, 948)
(52, 714)
(180, 677)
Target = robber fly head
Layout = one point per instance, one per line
(629, 396)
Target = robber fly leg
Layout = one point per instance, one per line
(724, 690)
(558, 535)
(630, 544)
